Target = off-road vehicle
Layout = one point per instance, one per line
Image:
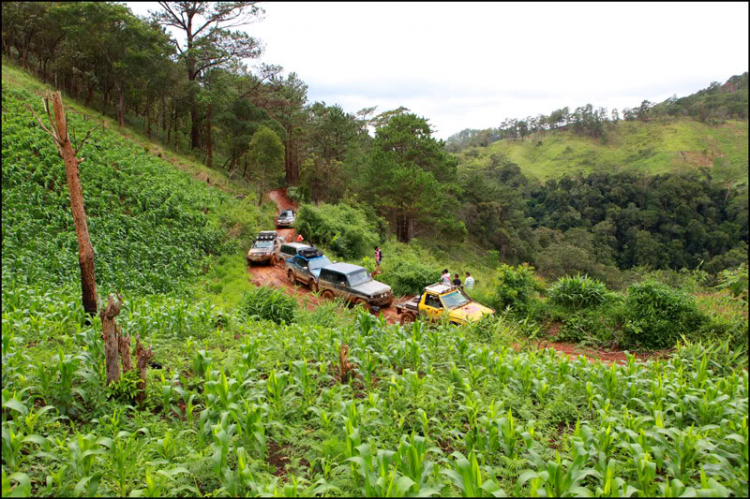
(438, 301)
(306, 266)
(354, 284)
(265, 246)
(286, 251)
(285, 219)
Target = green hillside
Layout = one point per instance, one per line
(151, 224)
(252, 394)
(643, 147)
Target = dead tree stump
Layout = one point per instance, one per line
(142, 357)
(110, 337)
(123, 343)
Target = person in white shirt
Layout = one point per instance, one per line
(469, 281)
(446, 278)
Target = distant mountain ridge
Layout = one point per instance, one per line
(707, 129)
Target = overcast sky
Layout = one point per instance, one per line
(472, 65)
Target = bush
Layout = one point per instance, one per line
(578, 292)
(342, 228)
(515, 288)
(409, 276)
(658, 315)
(270, 304)
(736, 281)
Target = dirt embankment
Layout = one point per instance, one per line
(269, 275)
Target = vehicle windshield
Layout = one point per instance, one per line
(454, 300)
(319, 263)
(263, 244)
(359, 277)
(285, 214)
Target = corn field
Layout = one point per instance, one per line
(324, 402)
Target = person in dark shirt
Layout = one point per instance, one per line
(456, 281)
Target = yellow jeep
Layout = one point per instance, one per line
(437, 300)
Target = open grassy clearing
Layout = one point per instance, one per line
(647, 148)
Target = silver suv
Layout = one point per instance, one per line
(285, 219)
(354, 284)
(265, 246)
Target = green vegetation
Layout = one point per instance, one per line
(658, 314)
(647, 148)
(269, 304)
(342, 228)
(250, 392)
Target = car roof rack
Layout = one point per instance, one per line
(266, 235)
(311, 252)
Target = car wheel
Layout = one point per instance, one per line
(407, 318)
(273, 260)
(290, 275)
(313, 286)
(389, 304)
(249, 263)
(328, 294)
(361, 301)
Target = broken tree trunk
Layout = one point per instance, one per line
(59, 132)
(142, 357)
(110, 336)
(123, 344)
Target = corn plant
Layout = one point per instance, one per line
(157, 485)
(222, 436)
(124, 452)
(22, 488)
(560, 478)
(467, 477)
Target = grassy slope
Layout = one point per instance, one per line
(132, 188)
(633, 146)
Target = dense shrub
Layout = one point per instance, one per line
(270, 304)
(578, 292)
(658, 315)
(342, 228)
(409, 276)
(515, 287)
(736, 281)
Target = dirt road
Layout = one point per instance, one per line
(268, 275)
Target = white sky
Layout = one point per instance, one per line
(472, 65)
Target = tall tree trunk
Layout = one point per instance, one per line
(288, 165)
(148, 115)
(59, 133)
(163, 116)
(121, 107)
(244, 172)
(195, 129)
(90, 95)
(105, 98)
(209, 144)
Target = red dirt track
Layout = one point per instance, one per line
(268, 275)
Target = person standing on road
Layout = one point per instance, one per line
(378, 258)
(300, 238)
(469, 281)
(446, 278)
(456, 281)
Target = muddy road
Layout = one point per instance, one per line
(270, 275)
